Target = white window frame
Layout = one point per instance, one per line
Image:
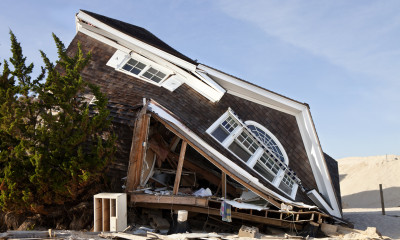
(120, 58)
(258, 153)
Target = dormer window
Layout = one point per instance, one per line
(257, 147)
(143, 68)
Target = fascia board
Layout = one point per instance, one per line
(159, 52)
(317, 161)
(270, 97)
(324, 204)
(105, 40)
(201, 87)
(209, 81)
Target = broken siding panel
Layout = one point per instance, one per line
(196, 112)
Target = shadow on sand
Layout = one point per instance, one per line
(372, 199)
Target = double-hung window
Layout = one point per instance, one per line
(267, 167)
(244, 146)
(287, 184)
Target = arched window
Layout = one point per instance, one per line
(245, 140)
(270, 141)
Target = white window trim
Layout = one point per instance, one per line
(149, 64)
(257, 155)
(120, 58)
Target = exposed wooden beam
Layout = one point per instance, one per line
(192, 166)
(179, 168)
(214, 211)
(223, 183)
(138, 149)
(218, 165)
(179, 200)
(174, 143)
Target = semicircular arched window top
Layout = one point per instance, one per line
(270, 141)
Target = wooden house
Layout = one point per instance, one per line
(184, 126)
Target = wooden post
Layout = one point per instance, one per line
(382, 202)
(223, 183)
(179, 169)
(138, 149)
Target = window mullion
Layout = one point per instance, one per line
(278, 178)
(144, 70)
(256, 156)
(228, 141)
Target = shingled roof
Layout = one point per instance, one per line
(140, 34)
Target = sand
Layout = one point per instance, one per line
(359, 184)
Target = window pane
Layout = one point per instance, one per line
(140, 66)
(136, 71)
(220, 134)
(132, 62)
(147, 75)
(156, 79)
(127, 67)
(160, 75)
(264, 172)
(269, 163)
(229, 124)
(154, 75)
(152, 70)
(267, 140)
(248, 142)
(239, 151)
(285, 188)
(287, 184)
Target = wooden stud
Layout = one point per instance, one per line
(223, 183)
(179, 169)
(192, 166)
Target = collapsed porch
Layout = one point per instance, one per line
(161, 146)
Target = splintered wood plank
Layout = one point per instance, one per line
(179, 200)
(138, 149)
(179, 168)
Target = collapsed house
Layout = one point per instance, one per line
(191, 137)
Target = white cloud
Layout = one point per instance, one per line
(360, 36)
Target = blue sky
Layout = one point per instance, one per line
(340, 57)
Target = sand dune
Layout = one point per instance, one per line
(360, 178)
(359, 184)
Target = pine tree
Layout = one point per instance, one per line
(54, 143)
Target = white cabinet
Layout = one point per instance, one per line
(110, 212)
